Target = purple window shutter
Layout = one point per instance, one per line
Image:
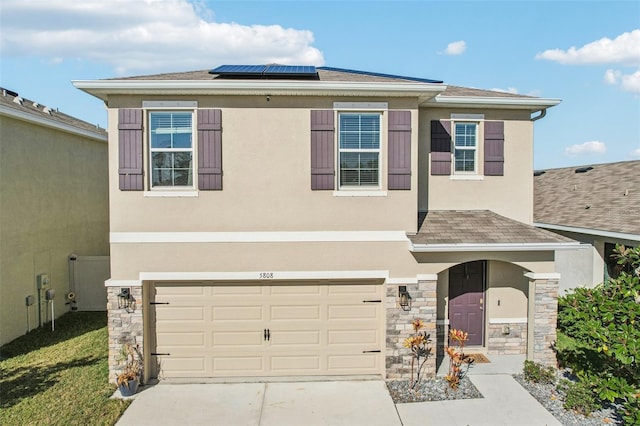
(130, 150)
(440, 147)
(322, 147)
(399, 150)
(209, 149)
(494, 148)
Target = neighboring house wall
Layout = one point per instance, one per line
(477, 191)
(53, 185)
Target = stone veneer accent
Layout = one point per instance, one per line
(545, 318)
(512, 343)
(423, 306)
(125, 326)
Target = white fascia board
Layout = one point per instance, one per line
(542, 275)
(441, 248)
(101, 88)
(123, 283)
(54, 124)
(264, 276)
(257, 237)
(590, 231)
(506, 102)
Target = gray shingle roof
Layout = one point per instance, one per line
(334, 75)
(8, 99)
(606, 198)
(479, 227)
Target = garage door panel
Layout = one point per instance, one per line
(238, 313)
(353, 337)
(294, 338)
(238, 339)
(176, 366)
(180, 290)
(294, 290)
(180, 339)
(294, 364)
(238, 365)
(363, 364)
(353, 312)
(180, 313)
(285, 312)
(355, 290)
(236, 290)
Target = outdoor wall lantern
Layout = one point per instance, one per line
(405, 298)
(124, 298)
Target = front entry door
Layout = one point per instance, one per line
(466, 300)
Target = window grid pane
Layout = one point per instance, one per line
(359, 142)
(465, 147)
(171, 141)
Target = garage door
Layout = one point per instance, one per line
(284, 329)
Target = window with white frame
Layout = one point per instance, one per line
(171, 148)
(465, 138)
(359, 150)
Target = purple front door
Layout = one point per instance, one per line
(466, 300)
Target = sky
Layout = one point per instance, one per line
(586, 53)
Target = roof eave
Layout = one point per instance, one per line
(590, 231)
(51, 123)
(483, 247)
(532, 104)
(103, 88)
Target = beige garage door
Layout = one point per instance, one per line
(283, 329)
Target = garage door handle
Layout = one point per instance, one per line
(267, 334)
(370, 352)
(372, 301)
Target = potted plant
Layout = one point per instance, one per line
(129, 378)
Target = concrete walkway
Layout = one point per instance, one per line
(348, 403)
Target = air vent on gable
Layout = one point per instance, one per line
(583, 169)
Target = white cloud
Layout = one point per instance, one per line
(628, 82)
(593, 147)
(624, 49)
(146, 35)
(636, 153)
(456, 48)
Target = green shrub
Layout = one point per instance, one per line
(578, 397)
(538, 373)
(604, 323)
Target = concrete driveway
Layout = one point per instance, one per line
(349, 403)
(335, 403)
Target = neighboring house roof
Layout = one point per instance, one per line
(329, 80)
(13, 105)
(484, 230)
(604, 199)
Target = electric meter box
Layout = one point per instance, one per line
(43, 281)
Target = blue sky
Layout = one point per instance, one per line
(586, 53)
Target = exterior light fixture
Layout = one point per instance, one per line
(405, 298)
(124, 298)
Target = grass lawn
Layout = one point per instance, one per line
(59, 377)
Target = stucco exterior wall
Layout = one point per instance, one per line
(266, 178)
(490, 193)
(54, 202)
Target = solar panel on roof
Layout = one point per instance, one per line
(291, 70)
(239, 70)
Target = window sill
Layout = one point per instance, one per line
(170, 194)
(347, 193)
(466, 177)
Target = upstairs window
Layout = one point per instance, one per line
(359, 150)
(171, 149)
(465, 147)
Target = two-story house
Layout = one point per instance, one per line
(292, 221)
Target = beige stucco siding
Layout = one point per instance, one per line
(53, 186)
(509, 195)
(266, 179)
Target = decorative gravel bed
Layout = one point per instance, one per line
(432, 389)
(553, 401)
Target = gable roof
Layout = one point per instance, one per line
(329, 82)
(481, 230)
(13, 105)
(604, 198)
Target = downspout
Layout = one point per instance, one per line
(543, 112)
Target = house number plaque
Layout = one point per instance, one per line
(266, 275)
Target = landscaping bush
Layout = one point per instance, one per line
(538, 373)
(605, 323)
